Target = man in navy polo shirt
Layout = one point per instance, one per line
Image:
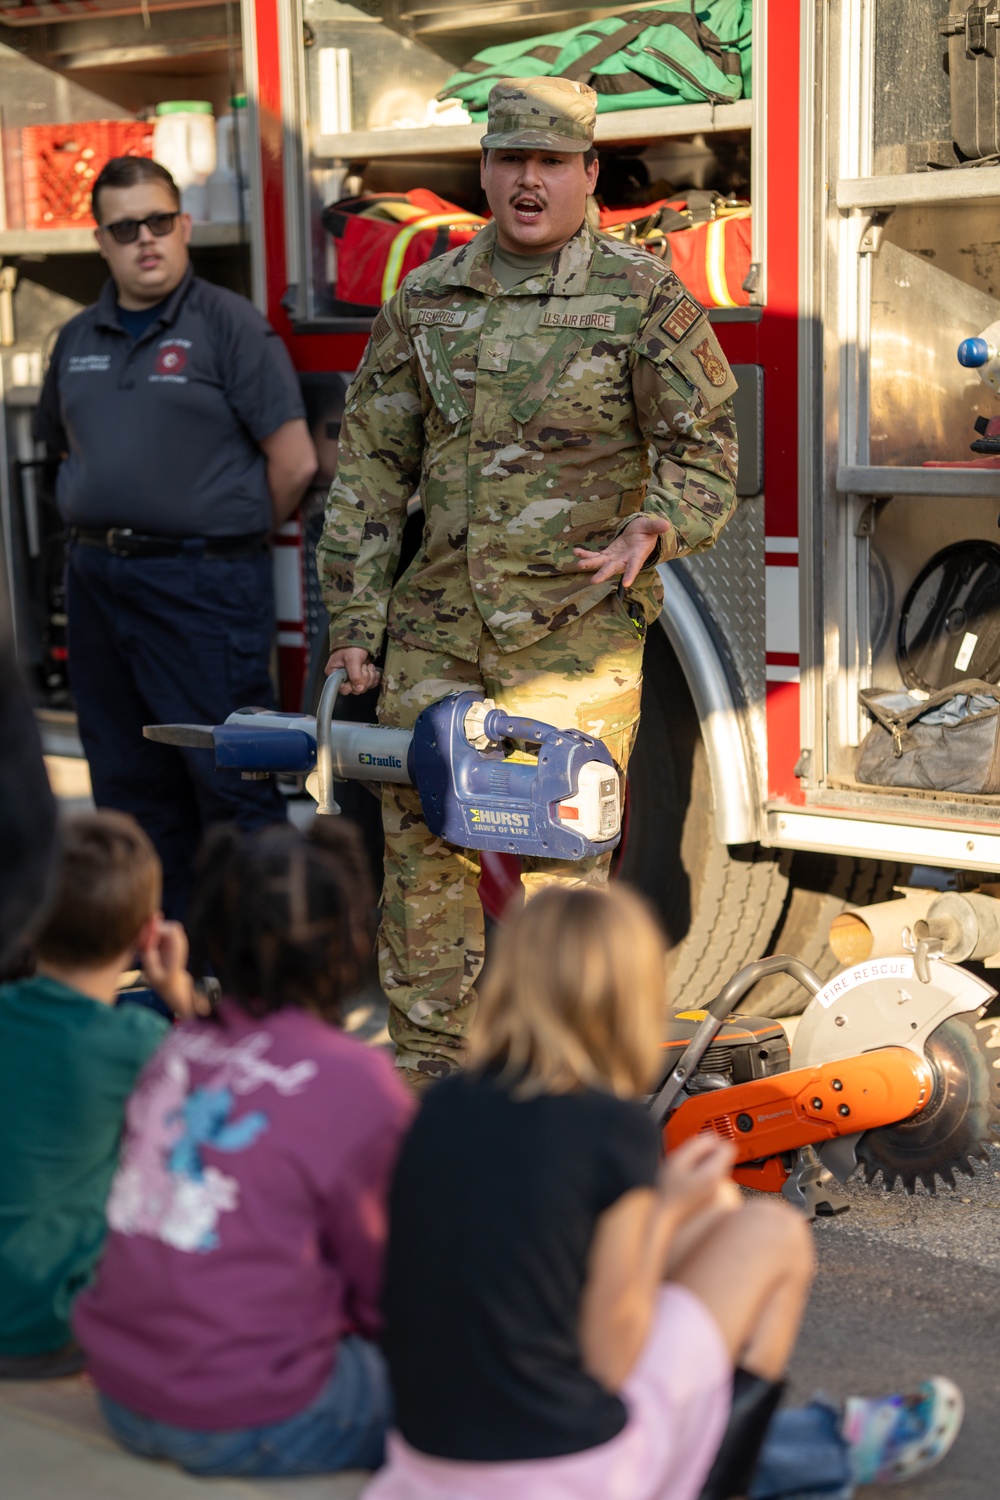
(181, 428)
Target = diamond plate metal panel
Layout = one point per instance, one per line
(730, 582)
(314, 610)
(730, 579)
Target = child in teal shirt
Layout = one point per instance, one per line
(69, 1058)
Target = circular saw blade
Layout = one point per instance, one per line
(960, 1121)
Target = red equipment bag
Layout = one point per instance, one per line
(381, 237)
(711, 258)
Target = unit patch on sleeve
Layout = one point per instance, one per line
(681, 317)
(715, 370)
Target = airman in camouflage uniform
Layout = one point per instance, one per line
(537, 422)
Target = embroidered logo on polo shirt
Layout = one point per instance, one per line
(171, 358)
(88, 364)
(170, 361)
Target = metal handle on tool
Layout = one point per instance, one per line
(719, 1010)
(743, 981)
(326, 802)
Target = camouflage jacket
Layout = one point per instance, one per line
(530, 421)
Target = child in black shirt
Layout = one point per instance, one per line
(565, 1315)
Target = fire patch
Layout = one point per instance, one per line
(682, 316)
(715, 370)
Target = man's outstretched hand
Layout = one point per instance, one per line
(362, 673)
(626, 554)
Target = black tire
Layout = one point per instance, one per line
(821, 887)
(718, 905)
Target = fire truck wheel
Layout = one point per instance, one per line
(821, 886)
(718, 905)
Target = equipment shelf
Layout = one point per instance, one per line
(81, 241)
(865, 479)
(630, 125)
(955, 185)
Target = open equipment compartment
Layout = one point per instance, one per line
(75, 89)
(364, 78)
(911, 269)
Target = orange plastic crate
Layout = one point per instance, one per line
(60, 162)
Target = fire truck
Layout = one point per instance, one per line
(872, 256)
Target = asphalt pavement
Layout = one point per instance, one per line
(909, 1287)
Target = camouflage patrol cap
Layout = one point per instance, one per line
(534, 113)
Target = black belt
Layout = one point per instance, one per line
(120, 541)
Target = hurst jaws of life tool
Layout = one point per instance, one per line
(562, 803)
(893, 1069)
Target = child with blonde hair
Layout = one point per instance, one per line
(566, 1314)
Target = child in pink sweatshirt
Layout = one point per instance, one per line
(233, 1320)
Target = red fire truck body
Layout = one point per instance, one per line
(849, 563)
(769, 341)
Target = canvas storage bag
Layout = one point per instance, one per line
(382, 237)
(711, 256)
(973, 32)
(949, 742)
(667, 54)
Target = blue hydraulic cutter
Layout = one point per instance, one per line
(558, 799)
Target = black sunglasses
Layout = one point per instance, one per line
(126, 231)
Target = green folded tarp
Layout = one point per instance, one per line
(678, 53)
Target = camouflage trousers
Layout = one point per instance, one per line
(587, 676)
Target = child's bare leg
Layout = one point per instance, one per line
(696, 1228)
(752, 1270)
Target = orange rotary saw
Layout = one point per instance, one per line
(892, 1070)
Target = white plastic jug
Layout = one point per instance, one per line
(184, 142)
(222, 195)
(231, 175)
(232, 130)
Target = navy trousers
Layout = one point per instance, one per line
(170, 640)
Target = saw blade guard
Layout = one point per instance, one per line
(884, 1003)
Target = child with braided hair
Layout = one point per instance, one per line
(233, 1320)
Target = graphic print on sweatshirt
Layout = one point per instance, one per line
(164, 1187)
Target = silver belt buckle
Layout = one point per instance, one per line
(111, 538)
